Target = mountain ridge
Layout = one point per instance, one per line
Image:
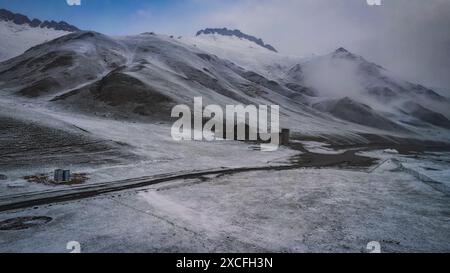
(236, 33)
(140, 77)
(20, 19)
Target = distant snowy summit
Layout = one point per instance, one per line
(18, 33)
(236, 33)
(20, 19)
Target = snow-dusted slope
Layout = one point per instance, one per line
(345, 80)
(244, 53)
(18, 33)
(18, 38)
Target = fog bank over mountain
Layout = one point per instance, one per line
(409, 37)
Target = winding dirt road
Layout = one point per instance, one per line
(306, 160)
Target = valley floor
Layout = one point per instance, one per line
(300, 210)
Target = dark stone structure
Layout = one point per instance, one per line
(285, 136)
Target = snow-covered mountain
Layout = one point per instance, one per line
(141, 77)
(343, 77)
(132, 76)
(340, 83)
(235, 33)
(234, 45)
(19, 33)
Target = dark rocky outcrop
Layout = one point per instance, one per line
(355, 112)
(237, 33)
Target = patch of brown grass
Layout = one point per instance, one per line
(76, 179)
(38, 178)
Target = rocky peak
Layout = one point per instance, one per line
(236, 33)
(343, 53)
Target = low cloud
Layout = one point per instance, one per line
(409, 37)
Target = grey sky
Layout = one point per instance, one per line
(409, 37)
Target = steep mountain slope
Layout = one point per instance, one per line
(138, 74)
(141, 77)
(19, 33)
(340, 83)
(358, 113)
(344, 76)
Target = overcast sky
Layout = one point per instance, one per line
(409, 37)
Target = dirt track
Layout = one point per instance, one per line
(347, 159)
